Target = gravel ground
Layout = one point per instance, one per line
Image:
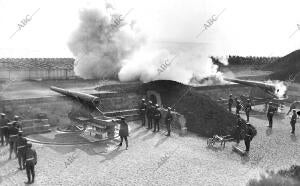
(153, 159)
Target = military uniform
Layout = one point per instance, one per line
(270, 114)
(238, 107)
(293, 121)
(21, 143)
(18, 123)
(168, 121)
(230, 103)
(157, 117)
(238, 130)
(30, 162)
(143, 107)
(248, 109)
(123, 132)
(149, 114)
(12, 135)
(3, 129)
(248, 137)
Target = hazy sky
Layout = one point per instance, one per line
(246, 27)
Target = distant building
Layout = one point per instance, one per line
(36, 68)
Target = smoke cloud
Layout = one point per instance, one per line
(101, 42)
(105, 46)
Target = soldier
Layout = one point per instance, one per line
(30, 162)
(123, 132)
(270, 114)
(293, 121)
(230, 102)
(293, 106)
(168, 121)
(149, 114)
(248, 109)
(238, 107)
(21, 143)
(248, 137)
(157, 117)
(12, 135)
(238, 129)
(3, 129)
(18, 123)
(143, 107)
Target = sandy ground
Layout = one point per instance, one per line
(153, 159)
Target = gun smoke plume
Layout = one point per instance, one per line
(103, 49)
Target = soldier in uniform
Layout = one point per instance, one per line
(21, 143)
(248, 137)
(230, 102)
(30, 162)
(3, 129)
(238, 107)
(168, 121)
(270, 114)
(12, 135)
(156, 116)
(18, 123)
(149, 114)
(238, 130)
(123, 132)
(143, 107)
(293, 121)
(248, 109)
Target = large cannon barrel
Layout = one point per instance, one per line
(267, 87)
(78, 95)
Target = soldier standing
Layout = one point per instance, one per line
(143, 107)
(18, 123)
(149, 114)
(248, 137)
(238, 107)
(3, 129)
(248, 109)
(156, 116)
(270, 114)
(238, 130)
(12, 135)
(21, 143)
(123, 132)
(168, 121)
(30, 162)
(293, 121)
(230, 102)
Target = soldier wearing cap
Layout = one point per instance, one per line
(230, 102)
(123, 132)
(143, 107)
(157, 117)
(21, 143)
(248, 136)
(238, 107)
(270, 114)
(168, 121)
(238, 129)
(293, 121)
(248, 109)
(149, 114)
(3, 129)
(12, 135)
(30, 162)
(18, 123)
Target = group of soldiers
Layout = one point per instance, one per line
(151, 112)
(272, 109)
(11, 134)
(238, 106)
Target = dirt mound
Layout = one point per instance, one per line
(204, 116)
(287, 67)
